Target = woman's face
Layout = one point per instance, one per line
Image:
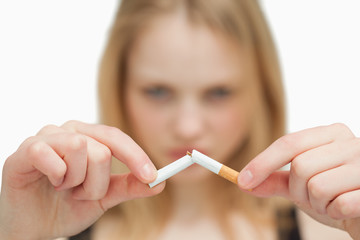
(187, 89)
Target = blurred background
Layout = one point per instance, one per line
(50, 51)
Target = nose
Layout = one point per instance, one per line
(189, 123)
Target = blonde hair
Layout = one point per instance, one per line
(244, 22)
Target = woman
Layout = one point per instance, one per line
(177, 76)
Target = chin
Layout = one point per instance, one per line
(192, 174)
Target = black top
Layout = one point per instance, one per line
(287, 227)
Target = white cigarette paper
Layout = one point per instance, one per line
(214, 166)
(172, 169)
(206, 161)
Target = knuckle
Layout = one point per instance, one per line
(70, 124)
(289, 142)
(106, 155)
(28, 141)
(286, 141)
(103, 155)
(299, 167)
(342, 208)
(112, 131)
(317, 189)
(342, 129)
(36, 148)
(340, 126)
(48, 129)
(116, 134)
(76, 142)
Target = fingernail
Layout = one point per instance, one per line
(148, 172)
(245, 178)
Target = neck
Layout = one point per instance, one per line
(192, 200)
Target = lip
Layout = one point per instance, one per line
(177, 153)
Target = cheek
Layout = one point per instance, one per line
(230, 123)
(145, 122)
(230, 126)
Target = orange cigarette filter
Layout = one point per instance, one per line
(214, 166)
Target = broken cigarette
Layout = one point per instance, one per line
(214, 166)
(199, 158)
(172, 169)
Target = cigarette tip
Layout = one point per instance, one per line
(188, 153)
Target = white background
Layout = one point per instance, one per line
(50, 50)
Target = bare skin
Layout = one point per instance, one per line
(58, 182)
(323, 179)
(173, 101)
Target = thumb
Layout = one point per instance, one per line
(276, 184)
(124, 187)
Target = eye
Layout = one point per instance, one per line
(159, 93)
(218, 93)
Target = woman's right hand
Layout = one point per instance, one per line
(58, 182)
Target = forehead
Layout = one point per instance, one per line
(174, 49)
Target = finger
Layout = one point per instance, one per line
(345, 206)
(121, 146)
(277, 184)
(63, 143)
(326, 186)
(126, 187)
(72, 148)
(312, 162)
(49, 129)
(35, 154)
(283, 150)
(97, 175)
(97, 178)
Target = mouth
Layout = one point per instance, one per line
(177, 153)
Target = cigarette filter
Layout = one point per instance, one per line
(214, 166)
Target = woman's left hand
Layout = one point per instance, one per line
(324, 176)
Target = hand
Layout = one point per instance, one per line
(58, 182)
(324, 177)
